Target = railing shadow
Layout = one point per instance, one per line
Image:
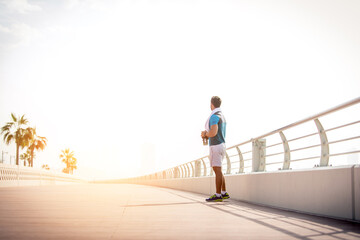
(320, 227)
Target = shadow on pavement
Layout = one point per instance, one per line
(321, 227)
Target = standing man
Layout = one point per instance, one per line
(215, 130)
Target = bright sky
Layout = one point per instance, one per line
(127, 84)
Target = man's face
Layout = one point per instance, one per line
(212, 106)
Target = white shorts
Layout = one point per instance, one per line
(217, 154)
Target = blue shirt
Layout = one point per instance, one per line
(219, 119)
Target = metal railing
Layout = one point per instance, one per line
(11, 175)
(302, 144)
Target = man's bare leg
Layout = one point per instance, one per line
(223, 185)
(219, 177)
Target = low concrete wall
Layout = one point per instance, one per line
(329, 191)
(356, 197)
(24, 183)
(13, 176)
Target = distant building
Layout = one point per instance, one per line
(148, 158)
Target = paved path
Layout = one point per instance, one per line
(116, 211)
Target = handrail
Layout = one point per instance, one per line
(258, 150)
(331, 110)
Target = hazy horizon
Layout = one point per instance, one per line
(116, 81)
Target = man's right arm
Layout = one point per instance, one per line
(213, 131)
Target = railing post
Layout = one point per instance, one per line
(241, 160)
(228, 164)
(180, 171)
(187, 170)
(205, 170)
(193, 170)
(258, 155)
(324, 159)
(183, 174)
(198, 168)
(184, 171)
(286, 164)
(176, 172)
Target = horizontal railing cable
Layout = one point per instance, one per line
(342, 126)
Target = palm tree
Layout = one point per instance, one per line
(73, 166)
(26, 157)
(17, 131)
(68, 158)
(36, 143)
(45, 166)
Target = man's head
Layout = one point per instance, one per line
(215, 102)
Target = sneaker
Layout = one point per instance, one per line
(214, 198)
(225, 196)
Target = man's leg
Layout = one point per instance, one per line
(219, 179)
(216, 157)
(223, 185)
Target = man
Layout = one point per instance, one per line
(215, 130)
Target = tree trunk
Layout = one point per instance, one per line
(32, 158)
(17, 153)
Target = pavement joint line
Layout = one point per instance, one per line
(121, 218)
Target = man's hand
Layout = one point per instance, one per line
(203, 134)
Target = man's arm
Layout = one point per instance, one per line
(213, 131)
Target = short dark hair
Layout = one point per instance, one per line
(216, 101)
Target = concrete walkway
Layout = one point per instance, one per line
(116, 211)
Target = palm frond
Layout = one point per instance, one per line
(23, 120)
(31, 147)
(8, 138)
(40, 145)
(27, 137)
(41, 142)
(7, 127)
(13, 117)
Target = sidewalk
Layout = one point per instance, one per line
(116, 211)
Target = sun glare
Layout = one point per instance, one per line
(126, 85)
